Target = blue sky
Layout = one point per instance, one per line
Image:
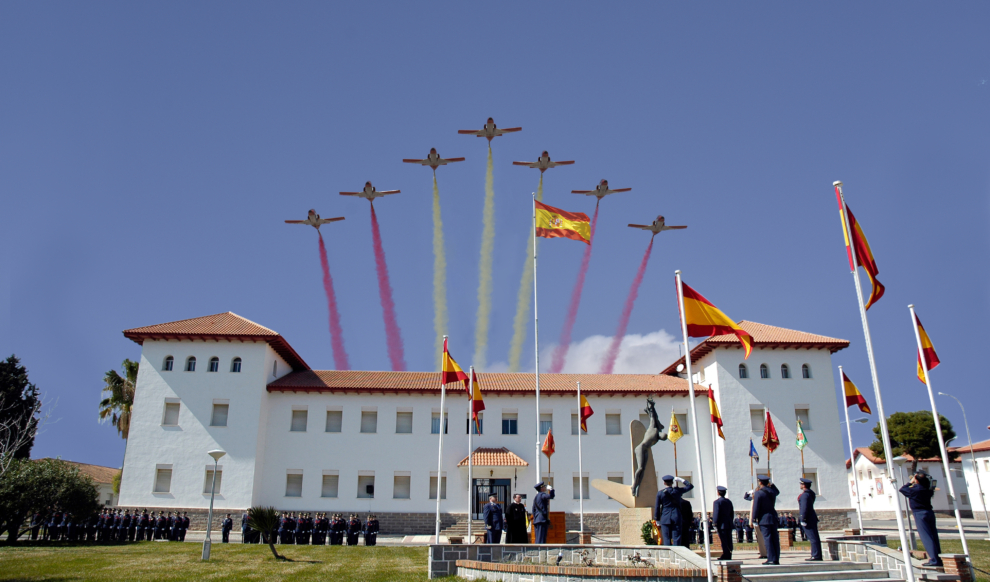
(149, 153)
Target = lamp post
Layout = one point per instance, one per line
(216, 454)
(899, 461)
(976, 470)
(852, 465)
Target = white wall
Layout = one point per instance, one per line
(981, 472)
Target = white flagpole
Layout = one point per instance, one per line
(580, 467)
(852, 454)
(470, 452)
(884, 434)
(443, 397)
(714, 447)
(694, 421)
(941, 439)
(536, 339)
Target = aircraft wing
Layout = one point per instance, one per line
(500, 131)
(326, 220)
(527, 164)
(619, 190)
(585, 192)
(421, 162)
(642, 226)
(667, 227)
(448, 160)
(383, 192)
(552, 164)
(350, 193)
(295, 222)
(479, 133)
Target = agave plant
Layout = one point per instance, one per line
(265, 520)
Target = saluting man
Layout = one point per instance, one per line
(541, 512)
(667, 510)
(809, 520)
(494, 521)
(722, 516)
(919, 493)
(765, 515)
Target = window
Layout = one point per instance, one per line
(219, 416)
(861, 473)
(275, 369)
(756, 419)
(235, 366)
(803, 415)
(403, 422)
(293, 484)
(869, 472)
(546, 423)
(548, 479)
(334, 419)
(683, 423)
(433, 487)
(329, 485)
(475, 428)
(764, 371)
(510, 423)
(167, 365)
(806, 371)
(743, 372)
(209, 481)
(580, 487)
(163, 478)
(400, 486)
(615, 478)
(190, 364)
(785, 371)
(613, 423)
(986, 465)
(575, 423)
(299, 420)
(369, 421)
(812, 474)
(366, 487)
(214, 364)
(964, 499)
(435, 423)
(171, 416)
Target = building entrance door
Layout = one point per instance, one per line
(500, 488)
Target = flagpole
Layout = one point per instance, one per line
(938, 429)
(536, 341)
(694, 420)
(766, 415)
(884, 434)
(470, 453)
(714, 454)
(752, 484)
(675, 444)
(580, 466)
(852, 452)
(443, 396)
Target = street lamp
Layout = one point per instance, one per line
(899, 461)
(976, 471)
(216, 454)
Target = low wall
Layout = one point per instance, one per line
(964, 513)
(474, 570)
(870, 549)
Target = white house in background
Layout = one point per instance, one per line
(976, 475)
(877, 493)
(102, 477)
(326, 440)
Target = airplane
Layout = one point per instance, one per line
(489, 131)
(657, 226)
(434, 160)
(601, 190)
(543, 163)
(314, 220)
(369, 193)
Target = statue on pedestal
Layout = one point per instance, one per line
(643, 491)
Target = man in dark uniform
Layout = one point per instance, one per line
(92, 528)
(541, 512)
(722, 516)
(353, 530)
(691, 525)
(765, 516)
(185, 526)
(809, 519)
(35, 525)
(225, 527)
(319, 534)
(371, 531)
(300, 535)
(132, 527)
(737, 524)
(494, 521)
(919, 493)
(244, 528)
(125, 524)
(53, 522)
(515, 521)
(337, 527)
(667, 510)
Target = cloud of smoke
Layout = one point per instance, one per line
(440, 321)
(336, 332)
(519, 324)
(613, 350)
(647, 353)
(393, 336)
(560, 353)
(485, 270)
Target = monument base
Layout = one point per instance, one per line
(631, 521)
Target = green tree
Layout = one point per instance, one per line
(118, 397)
(265, 520)
(20, 408)
(34, 486)
(914, 434)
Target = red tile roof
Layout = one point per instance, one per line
(497, 383)
(227, 326)
(99, 473)
(491, 457)
(866, 452)
(764, 336)
(977, 447)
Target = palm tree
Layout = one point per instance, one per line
(119, 397)
(265, 520)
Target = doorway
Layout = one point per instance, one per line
(500, 488)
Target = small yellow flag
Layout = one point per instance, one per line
(674, 432)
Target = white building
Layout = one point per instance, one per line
(977, 475)
(325, 440)
(877, 494)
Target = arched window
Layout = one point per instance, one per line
(743, 372)
(785, 371)
(805, 371)
(214, 364)
(764, 371)
(167, 365)
(191, 364)
(235, 366)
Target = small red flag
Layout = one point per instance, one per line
(770, 440)
(548, 444)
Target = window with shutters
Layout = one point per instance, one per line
(962, 496)
(785, 371)
(756, 419)
(433, 487)
(810, 473)
(330, 483)
(403, 422)
(163, 479)
(400, 486)
(743, 371)
(369, 421)
(615, 478)
(214, 365)
(683, 423)
(171, 413)
(334, 420)
(546, 423)
(219, 416)
(168, 363)
(293, 484)
(804, 415)
(613, 424)
(510, 423)
(366, 487)
(299, 420)
(805, 371)
(435, 423)
(578, 485)
(190, 364)
(235, 365)
(548, 479)
(208, 481)
(575, 423)
(764, 371)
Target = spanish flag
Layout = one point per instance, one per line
(704, 319)
(477, 403)
(770, 440)
(864, 256)
(556, 223)
(450, 372)
(927, 349)
(549, 447)
(713, 408)
(674, 433)
(584, 412)
(853, 395)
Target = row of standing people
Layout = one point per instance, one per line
(308, 529)
(110, 525)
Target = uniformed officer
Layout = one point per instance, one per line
(541, 511)
(667, 510)
(494, 521)
(691, 525)
(371, 530)
(919, 493)
(245, 528)
(765, 516)
(353, 530)
(737, 524)
(809, 520)
(301, 529)
(225, 527)
(722, 518)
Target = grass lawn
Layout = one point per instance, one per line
(979, 553)
(161, 562)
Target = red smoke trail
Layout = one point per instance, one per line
(392, 335)
(560, 352)
(336, 333)
(613, 350)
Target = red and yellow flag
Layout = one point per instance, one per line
(713, 408)
(864, 256)
(549, 447)
(927, 349)
(584, 412)
(556, 223)
(704, 319)
(854, 396)
(449, 371)
(477, 403)
(770, 440)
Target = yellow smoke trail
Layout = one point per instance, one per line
(485, 270)
(439, 276)
(522, 302)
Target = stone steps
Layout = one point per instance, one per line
(814, 572)
(805, 567)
